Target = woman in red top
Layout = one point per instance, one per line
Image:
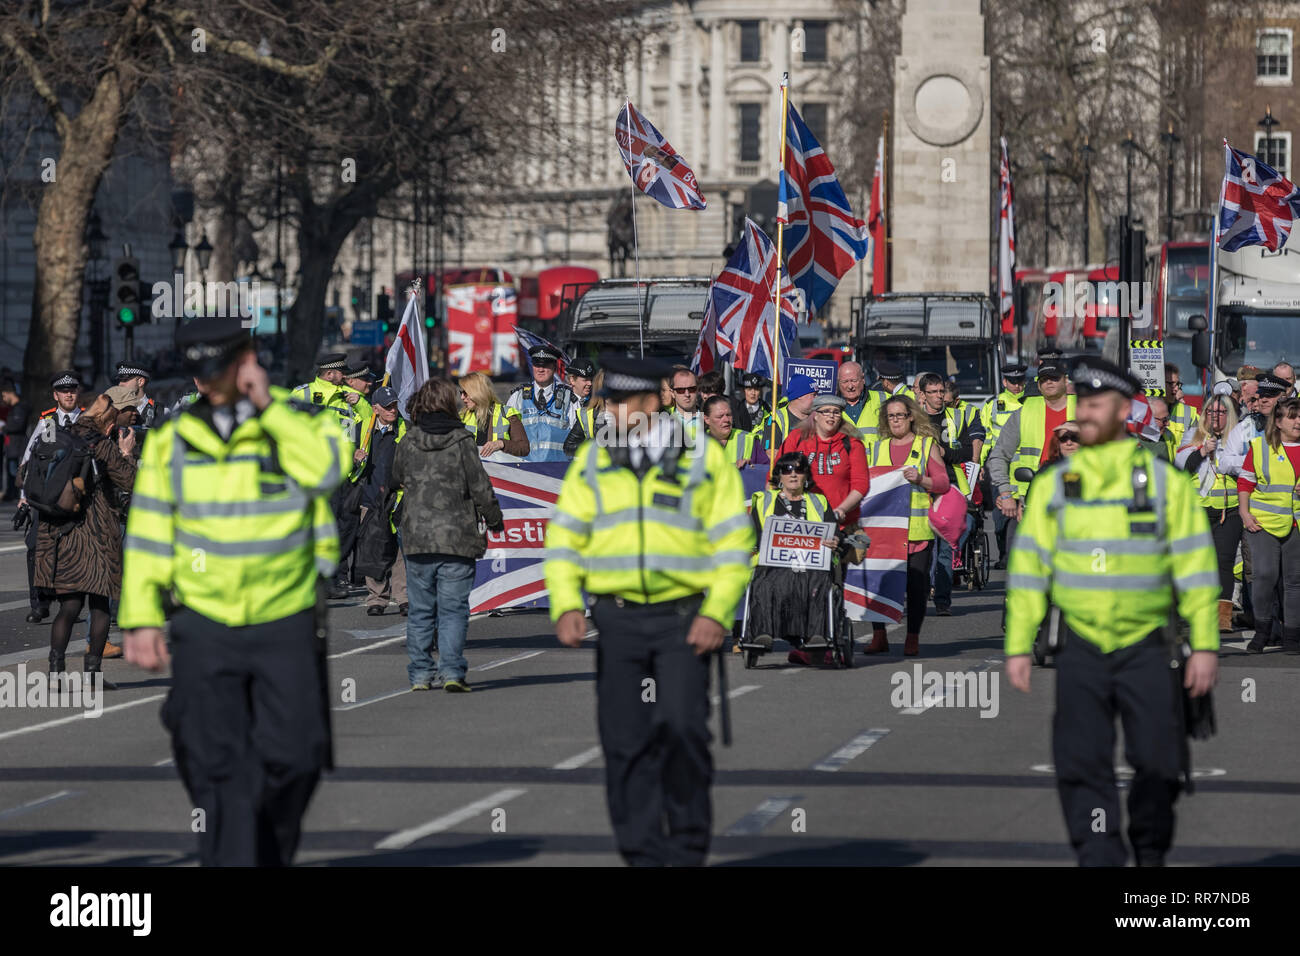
(834, 449)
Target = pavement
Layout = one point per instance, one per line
(828, 767)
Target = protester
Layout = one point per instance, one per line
(376, 487)
(496, 427)
(1266, 493)
(913, 447)
(1286, 372)
(836, 454)
(993, 414)
(743, 448)
(444, 492)
(799, 394)
(80, 559)
(1217, 491)
(666, 400)
(861, 405)
(1160, 418)
(1065, 441)
(1248, 376)
(1182, 417)
(711, 383)
(788, 602)
(750, 408)
(686, 391)
(15, 436)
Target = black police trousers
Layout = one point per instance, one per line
(1091, 687)
(249, 721)
(653, 712)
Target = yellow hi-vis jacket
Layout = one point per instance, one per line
(993, 415)
(651, 539)
(1273, 500)
(868, 421)
(1033, 437)
(1183, 420)
(352, 419)
(1115, 536)
(239, 530)
(740, 446)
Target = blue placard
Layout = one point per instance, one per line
(367, 333)
(821, 371)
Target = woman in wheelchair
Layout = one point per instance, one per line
(790, 602)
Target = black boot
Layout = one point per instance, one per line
(1262, 631)
(91, 666)
(57, 669)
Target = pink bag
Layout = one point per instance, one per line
(948, 515)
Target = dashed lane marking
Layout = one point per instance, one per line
(733, 694)
(854, 748)
(373, 700)
(578, 760)
(507, 660)
(404, 838)
(756, 820)
(949, 689)
(38, 803)
(75, 717)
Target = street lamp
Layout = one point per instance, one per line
(1129, 145)
(1085, 151)
(1170, 138)
(204, 251)
(1048, 159)
(1268, 122)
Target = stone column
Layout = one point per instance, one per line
(718, 160)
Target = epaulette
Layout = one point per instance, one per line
(520, 387)
(298, 405)
(48, 412)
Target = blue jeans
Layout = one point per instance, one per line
(438, 586)
(942, 578)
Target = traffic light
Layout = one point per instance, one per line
(126, 300)
(430, 313)
(384, 310)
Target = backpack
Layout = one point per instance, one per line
(60, 475)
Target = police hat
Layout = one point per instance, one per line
(359, 371)
(890, 370)
(1271, 385)
(130, 370)
(1051, 364)
(583, 368)
(68, 378)
(208, 345)
(327, 361)
(1091, 375)
(624, 375)
(544, 353)
(1014, 371)
(752, 380)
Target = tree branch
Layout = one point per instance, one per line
(242, 49)
(39, 82)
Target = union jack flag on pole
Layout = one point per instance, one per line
(823, 238)
(1258, 204)
(653, 164)
(741, 300)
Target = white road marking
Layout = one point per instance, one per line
(81, 716)
(374, 700)
(578, 760)
(855, 747)
(757, 819)
(507, 660)
(404, 838)
(14, 605)
(368, 647)
(733, 694)
(38, 803)
(1126, 773)
(13, 547)
(165, 763)
(948, 689)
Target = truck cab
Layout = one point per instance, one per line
(617, 314)
(1257, 309)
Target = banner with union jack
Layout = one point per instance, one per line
(741, 298)
(822, 236)
(1257, 206)
(653, 164)
(479, 323)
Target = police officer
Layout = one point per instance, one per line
(65, 385)
(544, 405)
(135, 376)
(582, 413)
(653, 528)
(229, 515)
(1117, 539)
(891, 380)
(995, 412)
(749, 407)
(1023, 438)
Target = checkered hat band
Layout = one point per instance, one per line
(66, 380)
(330, 365)
(128, 370)
(1097, 380)
(619, 382)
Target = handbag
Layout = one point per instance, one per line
(948, 515)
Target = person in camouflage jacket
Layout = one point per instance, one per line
(444, 492)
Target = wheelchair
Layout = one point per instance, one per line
(837, 645)
(973, 574)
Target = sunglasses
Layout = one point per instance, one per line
(791, 470)
(897, 416)
(686, 391)
(1070, 436)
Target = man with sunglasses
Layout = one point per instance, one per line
(1165, 445)
(1182, 417)
(1022, 442)
(1117, 540)
(686, 396)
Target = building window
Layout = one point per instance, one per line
(814, 115)
(1275, 150)
(751, 41)
(751, 132)
(1273, 57)
(814, 41)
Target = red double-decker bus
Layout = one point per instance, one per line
(541, 293)
(1179, 274)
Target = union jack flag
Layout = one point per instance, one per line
(706, 349)
(824, 238)
(741, 299)
(1257, 205)
(530, 340)
(875, 590)
(510, 572)
(653, 164)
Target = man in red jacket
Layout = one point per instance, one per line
(837, 456)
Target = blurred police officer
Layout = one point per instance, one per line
(544, 406)
(653, 528)
(749, 407)
(1117, 539)
(136, 376)
(229, 515)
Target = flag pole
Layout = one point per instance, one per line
(776, 282)
(636, 246)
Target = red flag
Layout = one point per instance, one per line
(876, 223)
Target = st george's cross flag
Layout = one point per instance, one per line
(653, 164)
(407, 363)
